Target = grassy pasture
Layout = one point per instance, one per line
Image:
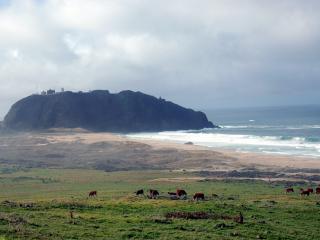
(36, 204)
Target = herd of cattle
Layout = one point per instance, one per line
(304, 192)
(179, 194)
(182, 194)
(154, 194)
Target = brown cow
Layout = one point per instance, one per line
(198, 196)
(310, 190)
(289, 190)
(93, 194)
(182, 194)
(153, 193)
(318, 190)
(304, 192)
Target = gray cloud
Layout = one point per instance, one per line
(201, 54)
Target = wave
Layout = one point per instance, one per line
(276, 144)
(301, 127)
(301, 139)
(232, 138)
(235, 126)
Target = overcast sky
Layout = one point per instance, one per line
(198, 53)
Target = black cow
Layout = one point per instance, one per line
(139, 192)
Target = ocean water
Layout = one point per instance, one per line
(293, 130)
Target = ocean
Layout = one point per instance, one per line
(293, 130)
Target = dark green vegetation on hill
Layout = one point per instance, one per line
(36, 204)
(99, 110)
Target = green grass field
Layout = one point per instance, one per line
(36, 204)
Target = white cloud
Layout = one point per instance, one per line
(220, 52)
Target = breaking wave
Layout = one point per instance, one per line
(270, 127)
(304, 146)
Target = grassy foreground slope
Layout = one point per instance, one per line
(36, 204)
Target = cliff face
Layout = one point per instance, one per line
(100, 110)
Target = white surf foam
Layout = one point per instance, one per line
(275, 144)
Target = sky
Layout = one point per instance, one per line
(198, 53)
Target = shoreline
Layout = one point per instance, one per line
(268, 159)
(249, 159)
(270, 145)
(189, 155)
(112, 152)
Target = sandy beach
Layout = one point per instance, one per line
(65, 148)
(237, 159)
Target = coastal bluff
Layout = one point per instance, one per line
(100, 110)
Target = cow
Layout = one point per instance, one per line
(310, 190)
(182, 194)
(153, 193)
(318, 190)
(139, 192)
(93, 194)
(289, 190)
(304, 192)
(198, 196)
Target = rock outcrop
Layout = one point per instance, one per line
(100, 110)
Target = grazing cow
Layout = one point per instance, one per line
(198, 196)
(139, 192)
(93, 194)
(310, 190)
(182, 194)
(153, 193)
(318, 190)
(289, 190)
(304, 192)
